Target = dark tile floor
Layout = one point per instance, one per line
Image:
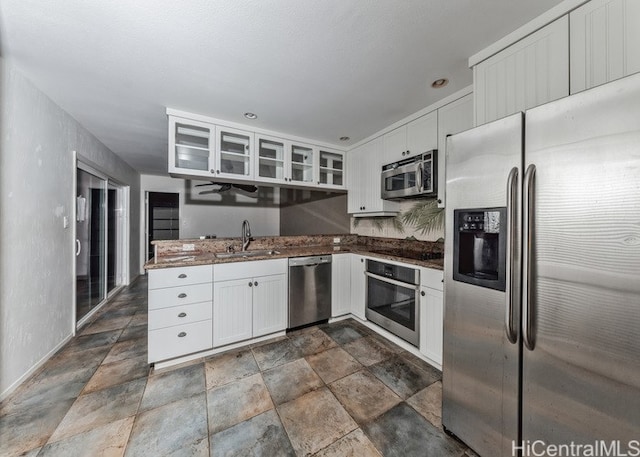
(330, 390)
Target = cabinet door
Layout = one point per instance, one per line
(395, 145)
(422, 134)
(271, 160)
(232, 311)
(605, 42)
(191, 148)
(269, 304)
(358, 286)
(431, 324)
(234, 153)
(533, 71)
(453, 118)
(302, 164)
(355, 158)
(331, 172)
(340, 284)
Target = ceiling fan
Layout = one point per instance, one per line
(224, 187)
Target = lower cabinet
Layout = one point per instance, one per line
(180, 312)
(431, 314)
(249, 300)
(340, 284)
(358, 285)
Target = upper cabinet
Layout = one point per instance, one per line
(202, 149)
(418, 136)
(453, 118)
(530, 72)
(605, 42)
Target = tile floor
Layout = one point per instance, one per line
(330, 390)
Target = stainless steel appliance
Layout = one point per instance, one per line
(553, 354)
(309, 290)
(393, 300)
(409, 178)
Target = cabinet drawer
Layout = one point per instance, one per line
(250, 269)
(170, 342)
(178, 315)
(175, 296)
(431, 278)
(180, 276)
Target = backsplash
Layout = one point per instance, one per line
(417, 218)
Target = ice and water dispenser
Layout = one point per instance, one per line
(479, 247)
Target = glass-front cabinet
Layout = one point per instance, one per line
(271, 160)
(302, 163)
(190, 147)
(234, 153)
(331, 169)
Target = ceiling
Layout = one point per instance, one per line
(319, 69)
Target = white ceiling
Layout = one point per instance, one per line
(319, 69)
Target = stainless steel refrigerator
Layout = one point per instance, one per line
(542, 276)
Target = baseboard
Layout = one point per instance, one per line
(34, 368)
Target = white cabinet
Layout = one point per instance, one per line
(331, 169)
(431, 314)
(302, 163)
(358, 286)
(418, 136)
(453, 118)
(272, 161)
(205, 150)
(532, 71)
(180, 312)
(364, 168)
(605, 42)
(340, 284)
(249, 300)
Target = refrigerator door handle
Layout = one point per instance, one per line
(527, 266)
(511, 292)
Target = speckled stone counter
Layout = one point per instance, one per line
(172, 254)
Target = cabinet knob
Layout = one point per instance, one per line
(422, 293)
(182, 334)
(362, 260)
(182, 315)
(250, 284)
(439, 201)
(218, 171)
(182, 276)
(212, 171)
(255, 283)
(182, 295)
(364, 207)
(403, 153)
(408, 152)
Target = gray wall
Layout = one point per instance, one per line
(37, 140)
(312, 213)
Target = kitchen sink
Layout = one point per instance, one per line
(243, 254)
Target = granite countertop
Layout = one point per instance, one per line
(203, 257)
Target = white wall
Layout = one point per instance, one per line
(37, 140)
(215, 214)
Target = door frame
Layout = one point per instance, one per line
(123, 228)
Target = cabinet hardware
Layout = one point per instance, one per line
(218, 171)
(212, 170)
(255, 283)
(182, 315)
(403, 152)
(182, 334)
(182, 295)
(182, 276)
(422, 293)
(250, 284)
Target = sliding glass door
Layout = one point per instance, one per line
(99, 239)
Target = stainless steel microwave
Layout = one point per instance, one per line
(411, 178)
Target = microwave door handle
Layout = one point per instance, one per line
(419, 183)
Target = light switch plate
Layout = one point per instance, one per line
(65, 222)
(336, 240)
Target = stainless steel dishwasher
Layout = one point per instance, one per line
(309, 290)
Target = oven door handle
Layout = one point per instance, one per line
(392, 281)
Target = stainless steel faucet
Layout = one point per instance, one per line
(246, 234)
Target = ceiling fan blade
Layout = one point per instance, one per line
(207, 184)
(247, 188)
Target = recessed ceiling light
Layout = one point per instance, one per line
(344, 138)
(251, 116)
(439, 83)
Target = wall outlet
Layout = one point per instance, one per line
(336, 240)
(189, 247)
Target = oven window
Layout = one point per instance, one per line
(400, 181)
(394, 302)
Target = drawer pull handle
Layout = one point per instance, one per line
(182, 334)
(182, 295)
(182, 315)
(182, 276)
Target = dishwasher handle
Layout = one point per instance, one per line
(309, 261)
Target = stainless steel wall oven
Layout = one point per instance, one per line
(393, 300)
